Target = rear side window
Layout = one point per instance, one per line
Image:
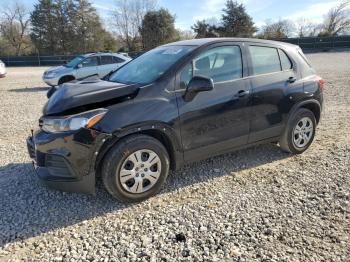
(118, 59)
(285, 61)
(265, 60)
(106, 60)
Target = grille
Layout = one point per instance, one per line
(58, 166)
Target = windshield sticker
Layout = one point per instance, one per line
(172, 51)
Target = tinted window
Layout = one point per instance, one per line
(220, 64)
(106, 60)
(265, 60)
(151, 65)
(90, 61)
(118, 60)
(285, 61)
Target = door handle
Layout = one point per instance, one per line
(242, 93)
(292, 79)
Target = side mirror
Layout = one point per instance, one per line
(79, 66)
(197, 84)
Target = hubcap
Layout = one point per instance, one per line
(303, 132)
(140, 171)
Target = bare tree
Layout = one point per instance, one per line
(280, 29)
(127, 19)
(185, 34)
(337, 20)
(14, 26)
(304, 27)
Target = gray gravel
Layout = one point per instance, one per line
(255, 204)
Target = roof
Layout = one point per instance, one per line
(205, 41)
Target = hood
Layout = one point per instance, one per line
(58, 69)
(74, 95)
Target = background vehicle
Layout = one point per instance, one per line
(173, 105)
(2, 69)
(99, 64)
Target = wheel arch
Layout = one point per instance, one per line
(164, 134)
(70, 77)
(313, 105)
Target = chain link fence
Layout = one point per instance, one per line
(319, 43)
(306, 43)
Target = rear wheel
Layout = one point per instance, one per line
(136, 168)
(299, 133)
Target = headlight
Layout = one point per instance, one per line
(50, 74)
(73, 122)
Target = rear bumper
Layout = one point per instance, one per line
(66, 161)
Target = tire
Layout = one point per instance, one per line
(120, 164)
(296, 139)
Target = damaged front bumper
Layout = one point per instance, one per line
(66, 161)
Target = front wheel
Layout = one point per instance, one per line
(135, 169)
(299, 132)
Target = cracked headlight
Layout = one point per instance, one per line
(72, 122)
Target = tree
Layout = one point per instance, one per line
(68, 27)
(158, 28)
(127, 19)
(185, 34)
(44, 34)
(304, 27)
(337, 21)
(279, 29)
(14, 27)
(203, 29)
(89, 34)
(236, 22)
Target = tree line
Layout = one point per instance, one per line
(74, 26)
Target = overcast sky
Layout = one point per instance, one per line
(188, 11)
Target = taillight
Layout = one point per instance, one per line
(321, 83)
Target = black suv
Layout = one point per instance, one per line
(173, 105)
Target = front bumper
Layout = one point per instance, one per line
(66, 161)
(51, 81)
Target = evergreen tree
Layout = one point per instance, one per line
(68, 27)
(236, 22)
(158, 28)
(203, 30)
(43, 21)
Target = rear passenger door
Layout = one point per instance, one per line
(217, 120)
(272, 75)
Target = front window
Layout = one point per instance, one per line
(220, 64)
(90, 61)
(150, 66)
(74, 62)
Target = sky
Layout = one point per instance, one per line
(189, 11)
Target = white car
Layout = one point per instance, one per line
(98, 64)
(2, 69)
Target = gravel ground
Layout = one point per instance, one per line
(255, 204)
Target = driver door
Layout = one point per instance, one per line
(87, 67)
(217, 120)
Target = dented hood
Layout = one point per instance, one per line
(78, 94)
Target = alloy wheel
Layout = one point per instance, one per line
(302, 132)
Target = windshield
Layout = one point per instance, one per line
(150, 66)
(74, 62)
